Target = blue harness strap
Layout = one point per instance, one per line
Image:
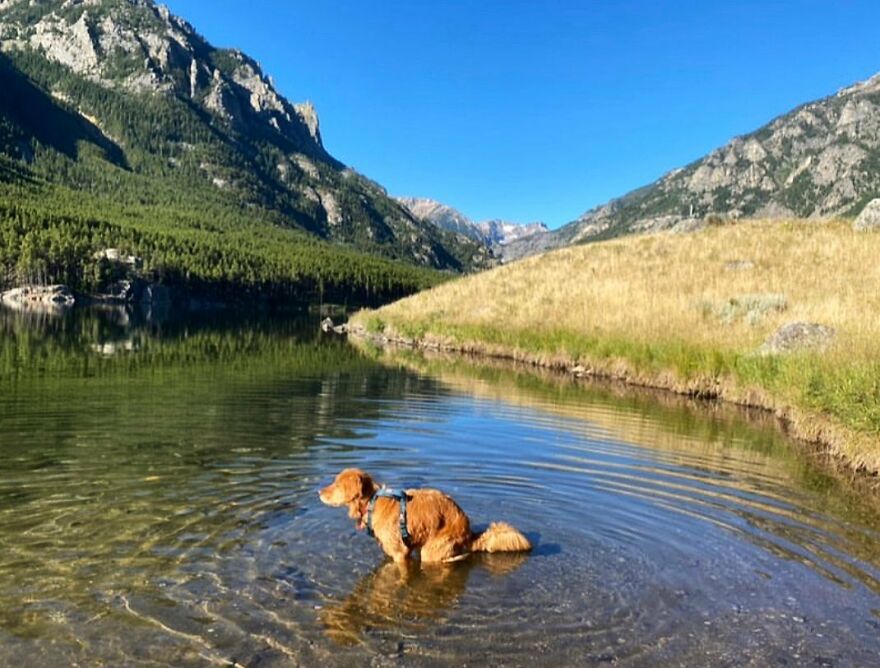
(401, 499)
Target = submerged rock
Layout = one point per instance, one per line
(796, 336)
(869, 218)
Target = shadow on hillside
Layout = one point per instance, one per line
(40, 116)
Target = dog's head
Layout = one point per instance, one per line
(351, 486)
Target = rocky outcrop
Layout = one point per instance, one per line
(796, 336)
(502, 232)
(161, 53)
(442, 216)
(817, 161)
(116, 256)
(869, 218)
(328, 327)
(43, 298)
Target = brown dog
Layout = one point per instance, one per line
(437, 527)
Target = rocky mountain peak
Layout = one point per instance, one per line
(502, 232)
(139, 46)
(157, 101)
(820, 160)
(495, 234)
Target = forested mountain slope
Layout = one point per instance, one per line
(119, 113)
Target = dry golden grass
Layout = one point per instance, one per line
(674, 306)
(653, 288)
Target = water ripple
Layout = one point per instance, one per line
(165, 513)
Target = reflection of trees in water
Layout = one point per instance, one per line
(408, 596)
(81, 329)
(118, 465)
(188, 376)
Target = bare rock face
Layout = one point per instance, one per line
(817, 161)
(442, 216)
(309, 116)
(72, 45)
(503, 232)
(796, 336)
(495, 234)
(218, 118)
(158, 52)
(869, 218)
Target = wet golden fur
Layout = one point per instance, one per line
(439, 530)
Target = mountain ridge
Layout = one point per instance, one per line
(821, 159)
(217, 121)
(494, 233)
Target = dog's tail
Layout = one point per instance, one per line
(500, 537)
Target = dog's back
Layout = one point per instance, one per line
(433, 514)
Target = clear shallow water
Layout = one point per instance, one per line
(158, 507)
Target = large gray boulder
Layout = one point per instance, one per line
(796, 336)
(869, 218)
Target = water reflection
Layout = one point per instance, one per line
(407, 597)
(158, 507)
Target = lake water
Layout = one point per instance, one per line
(158, 507)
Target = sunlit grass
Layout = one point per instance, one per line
(687, 312)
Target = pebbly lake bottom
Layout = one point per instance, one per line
(158, 507)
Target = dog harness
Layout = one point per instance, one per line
(401, 499)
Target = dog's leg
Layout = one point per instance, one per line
(397, 551)
(438, 550)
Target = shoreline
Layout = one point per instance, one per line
(816, 434)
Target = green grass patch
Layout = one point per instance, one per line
(848, 392)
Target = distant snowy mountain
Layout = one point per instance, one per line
(495, 234)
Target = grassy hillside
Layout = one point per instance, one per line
(686, 312)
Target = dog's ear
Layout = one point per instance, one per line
(354, 484)
(368, 486)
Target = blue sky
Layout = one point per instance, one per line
(541, 110)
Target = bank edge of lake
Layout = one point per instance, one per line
(819, 434)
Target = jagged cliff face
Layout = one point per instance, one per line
(224, 121)
(503, 232)
(820, 160)
(496, 234)
(139, 46)
(442, 216)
